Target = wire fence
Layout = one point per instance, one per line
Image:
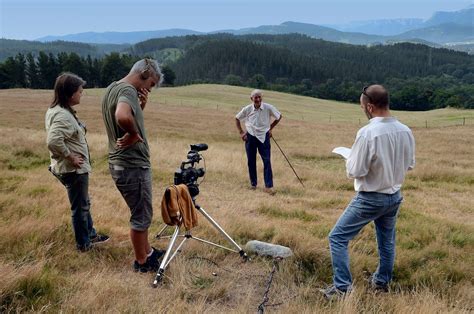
(428, 119)
(435, 122)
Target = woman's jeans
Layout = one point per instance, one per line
(364, 208)
(77, 186)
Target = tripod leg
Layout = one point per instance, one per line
(161, 270)
(222, 231)
(158, 235)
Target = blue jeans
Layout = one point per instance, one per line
(77, 186)
(264, 149)
(364, 208)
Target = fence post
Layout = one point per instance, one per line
(426, 123)
(463, 121)
(329, 118)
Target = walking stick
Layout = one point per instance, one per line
(288, 161)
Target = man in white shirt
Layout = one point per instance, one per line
(258, 124)
(383, 152)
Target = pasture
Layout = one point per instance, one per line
(41, 271)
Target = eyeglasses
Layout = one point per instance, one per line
(364, 92)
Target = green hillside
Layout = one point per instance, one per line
(421, 77)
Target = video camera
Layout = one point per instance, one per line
(187, 173)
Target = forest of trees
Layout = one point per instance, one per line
(419, 77)
(29, 71)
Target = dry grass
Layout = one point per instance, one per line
(41, 271)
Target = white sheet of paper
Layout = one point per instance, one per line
(343, 151)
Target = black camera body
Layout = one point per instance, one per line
(188, 173)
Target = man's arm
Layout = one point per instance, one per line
(243, 134)
(143, 97)
(412, 144)
(125, 120)
(358, 162)
(274, 123)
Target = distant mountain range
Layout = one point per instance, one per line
(379, 27)
(391, 27)
(119, 37)
(442, 28)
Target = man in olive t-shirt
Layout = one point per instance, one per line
(129, 154)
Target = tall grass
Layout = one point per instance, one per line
(41, 271)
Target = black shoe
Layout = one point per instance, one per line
(84, 248)
(99, 239)
(377, 287)
(152, 262)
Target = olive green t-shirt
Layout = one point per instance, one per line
(137, 155)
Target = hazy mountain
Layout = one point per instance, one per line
(384, 27)
(392, 27)
(11, 47)
(443, 34)
(442, 28)
(311, 30)
(462, 17)
(439, 34)
(119, 37)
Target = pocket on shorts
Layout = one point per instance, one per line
(131, 194)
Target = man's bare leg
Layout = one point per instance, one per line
(140, 244)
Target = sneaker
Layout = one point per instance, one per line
(332, 293)
(84, 248)
(99, 239)
(253, 187)
(377, 287)
(270, 191)
(152, 262)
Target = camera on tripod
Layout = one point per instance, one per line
(188, 173)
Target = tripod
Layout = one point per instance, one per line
(170, 254)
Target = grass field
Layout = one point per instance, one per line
(41, 271)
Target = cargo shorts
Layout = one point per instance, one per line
(135, 185)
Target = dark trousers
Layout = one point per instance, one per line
(264, 149)
(77, 186)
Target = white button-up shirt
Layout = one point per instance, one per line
(384, 150)
(258, 121)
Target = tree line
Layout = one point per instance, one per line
(40, 72)
(419, 77)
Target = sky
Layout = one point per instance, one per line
(32, 19)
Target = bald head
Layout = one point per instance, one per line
(376, 95)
